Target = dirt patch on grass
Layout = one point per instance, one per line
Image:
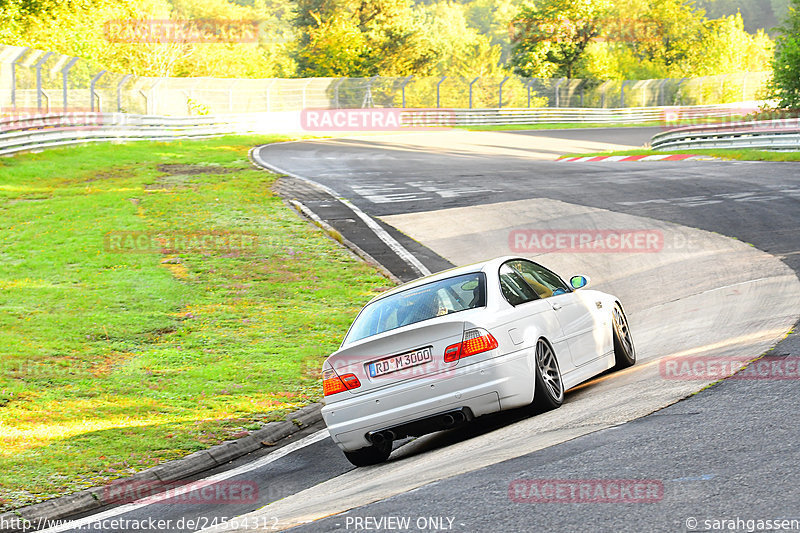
(175, 169)
(109, 174)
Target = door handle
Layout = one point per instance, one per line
(556, 306)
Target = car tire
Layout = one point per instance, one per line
(624, 350)
(371, 455)
(549, 388)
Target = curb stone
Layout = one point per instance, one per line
(635, 158)
(42, 515)
(341, 239)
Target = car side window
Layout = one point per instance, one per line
(514, 288)
(545, 282)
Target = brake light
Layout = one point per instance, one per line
(475, 341)
(351, 381)
(452, 353)
(333, 384)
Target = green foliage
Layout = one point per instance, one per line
(81, 28)
(634, 39)
(785, 84)
(597, 39)
(492, 18)
(551, 36)
(389, 38)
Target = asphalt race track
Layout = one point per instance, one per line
(724, 284)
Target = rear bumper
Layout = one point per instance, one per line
(499, 383)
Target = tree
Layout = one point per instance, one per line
(785, 84)
(662, 32)
(551, 36)
(356, 38)
(646, 39)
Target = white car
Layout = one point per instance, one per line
(473, 340)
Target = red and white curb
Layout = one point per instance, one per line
(615, 158)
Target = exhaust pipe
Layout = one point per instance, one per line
(451, 419)
(416, 428)
(381, 437)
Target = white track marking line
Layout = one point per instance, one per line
(154, 499)
(381, 233)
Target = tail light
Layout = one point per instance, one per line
(333, 384)
(475, 341)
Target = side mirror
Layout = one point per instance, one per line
(579, 282)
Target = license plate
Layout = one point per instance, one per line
(400, 362)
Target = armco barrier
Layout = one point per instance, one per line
(776, 135)
(34, 132)
(577, 115)
(26, 132)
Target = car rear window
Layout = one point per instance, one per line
(416, 304)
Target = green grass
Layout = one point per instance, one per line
(738, 155)
(112, 361)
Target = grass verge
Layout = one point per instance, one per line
(155, 299)
(738, 155)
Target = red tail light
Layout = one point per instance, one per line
(351, 381)
(333, 384)
(475, 341)
(452, 353)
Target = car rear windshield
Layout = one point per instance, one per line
(416, 304)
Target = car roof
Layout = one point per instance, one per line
(481, 266)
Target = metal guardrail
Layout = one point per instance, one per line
(38, 131)
(776, 135)
(52, 130)
(627, 115)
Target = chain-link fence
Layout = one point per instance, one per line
(44, 81)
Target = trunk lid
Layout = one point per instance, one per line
(399, 355)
